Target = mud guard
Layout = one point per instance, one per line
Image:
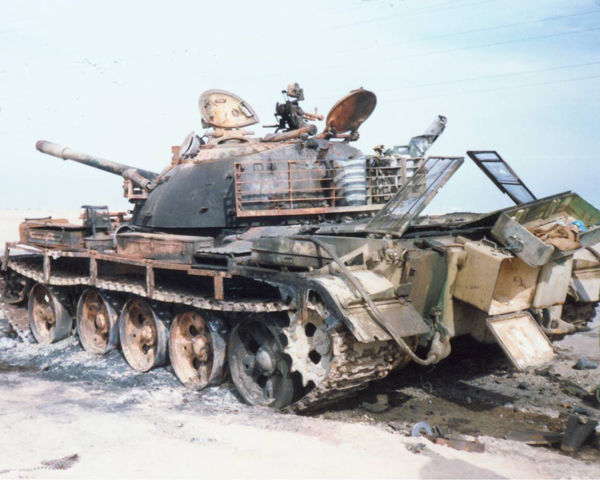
(345, 304)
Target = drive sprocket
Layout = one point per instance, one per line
(310, 345)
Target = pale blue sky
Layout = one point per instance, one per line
(121, 79)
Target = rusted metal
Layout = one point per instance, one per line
(98, 321)
(309, 130)
(350, 112)
(197, 347)
(144, 335)
(49, 318)
(160, 246)
(326, 261)
(457, 444)
(67, 153)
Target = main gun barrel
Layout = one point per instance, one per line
(67, 153)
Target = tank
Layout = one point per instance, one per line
(300, 266)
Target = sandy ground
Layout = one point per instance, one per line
(58, 400)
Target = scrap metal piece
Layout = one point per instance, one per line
(534, 437)
(417, 146)
(456, 444)
(522, 339)
(577, 434)
(419, 428)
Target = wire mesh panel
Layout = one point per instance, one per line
(396, 216)
(300, 187)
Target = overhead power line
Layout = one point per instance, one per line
(411, 13)
(456, 49)
(487, 77)
(495, 89)
(475, 30)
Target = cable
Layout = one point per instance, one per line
(495, 89)
(436, 52)
(415, 12)
(431, 358)
(475, 30)
(487, 77)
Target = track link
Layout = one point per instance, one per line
(355, 364)
(162, 294)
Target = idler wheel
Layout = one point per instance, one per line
(144, 335)
(259, 368)
(49, 319)
(97, 322)
(197, 346)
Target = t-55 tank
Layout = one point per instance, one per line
(299, 265)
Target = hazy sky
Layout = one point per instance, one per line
(121, 80)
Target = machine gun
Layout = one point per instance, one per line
(289, 114)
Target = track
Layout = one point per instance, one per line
(169, 295)
(355, 364)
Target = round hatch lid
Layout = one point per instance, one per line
(222, 109)
(351, 111)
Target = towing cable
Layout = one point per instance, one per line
(431, 358)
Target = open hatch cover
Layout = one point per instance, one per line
(504, 177)
(414, 196)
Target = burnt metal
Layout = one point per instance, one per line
(67, 153)
(577, 433)
(309, 250)
(457, 444)
(98, 321)
(49, 318)
(350, 112)
(534, 437)
(258, 366)
(414, 196)
(144, 335)
(197, 346)
(160, 246)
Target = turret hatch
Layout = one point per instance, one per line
(351, 111)
(222, 109)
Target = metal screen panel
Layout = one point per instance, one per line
(504, 177)
(414, 196)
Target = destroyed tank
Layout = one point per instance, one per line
(300, 265)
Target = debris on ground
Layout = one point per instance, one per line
(457, 444)
(423, 429)
(381, 404)
(585, 364)
(418, 448)
(63, 463)
(577, 433)
(534, 437)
